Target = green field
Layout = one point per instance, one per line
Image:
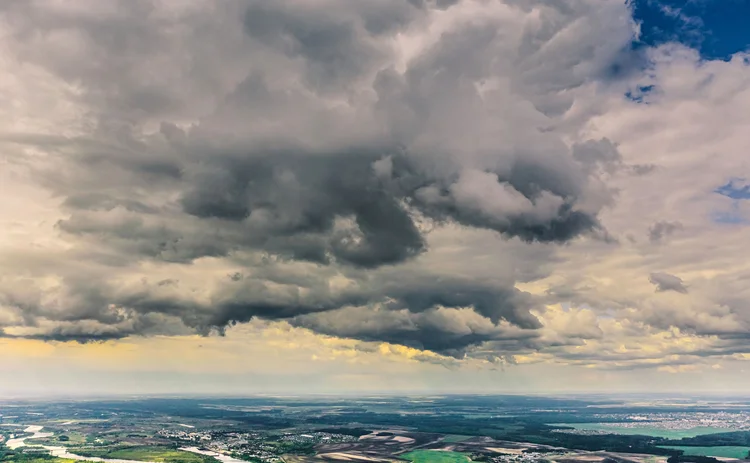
(718, 451)
(26, 459)
(435, 456)
(452, 438)
(68, 439)
(146, 453)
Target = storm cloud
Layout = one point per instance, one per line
(321, 163)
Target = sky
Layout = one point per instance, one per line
(374, 196)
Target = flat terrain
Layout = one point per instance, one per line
(435, 456)
(47, 460)
(435, 429)
(649, 430)
(145, 453)
(453, 438)
(723, 451)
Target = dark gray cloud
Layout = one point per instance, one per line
(305, 135)
(667, 282)
(598, 154)
(337, 49)
(61, 335)
(293, 201)
(441, 314)
(447, 331)
(604, 156)
(643, 169)
(661, 230)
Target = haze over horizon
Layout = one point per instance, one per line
(405, 196)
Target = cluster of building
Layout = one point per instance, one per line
(610, 423)
(690, 420)
(248, 445)
(257, 450)
(317, 437)
(584, 432)
(252, 446)
(526, 457)
(191, 436)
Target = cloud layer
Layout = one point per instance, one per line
(467, 178)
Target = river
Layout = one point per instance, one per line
(219, 456)
(62, 452)
(16, 443)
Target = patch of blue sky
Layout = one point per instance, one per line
(736, 189)
(729, 218)
(639, 93)
(718, 29)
